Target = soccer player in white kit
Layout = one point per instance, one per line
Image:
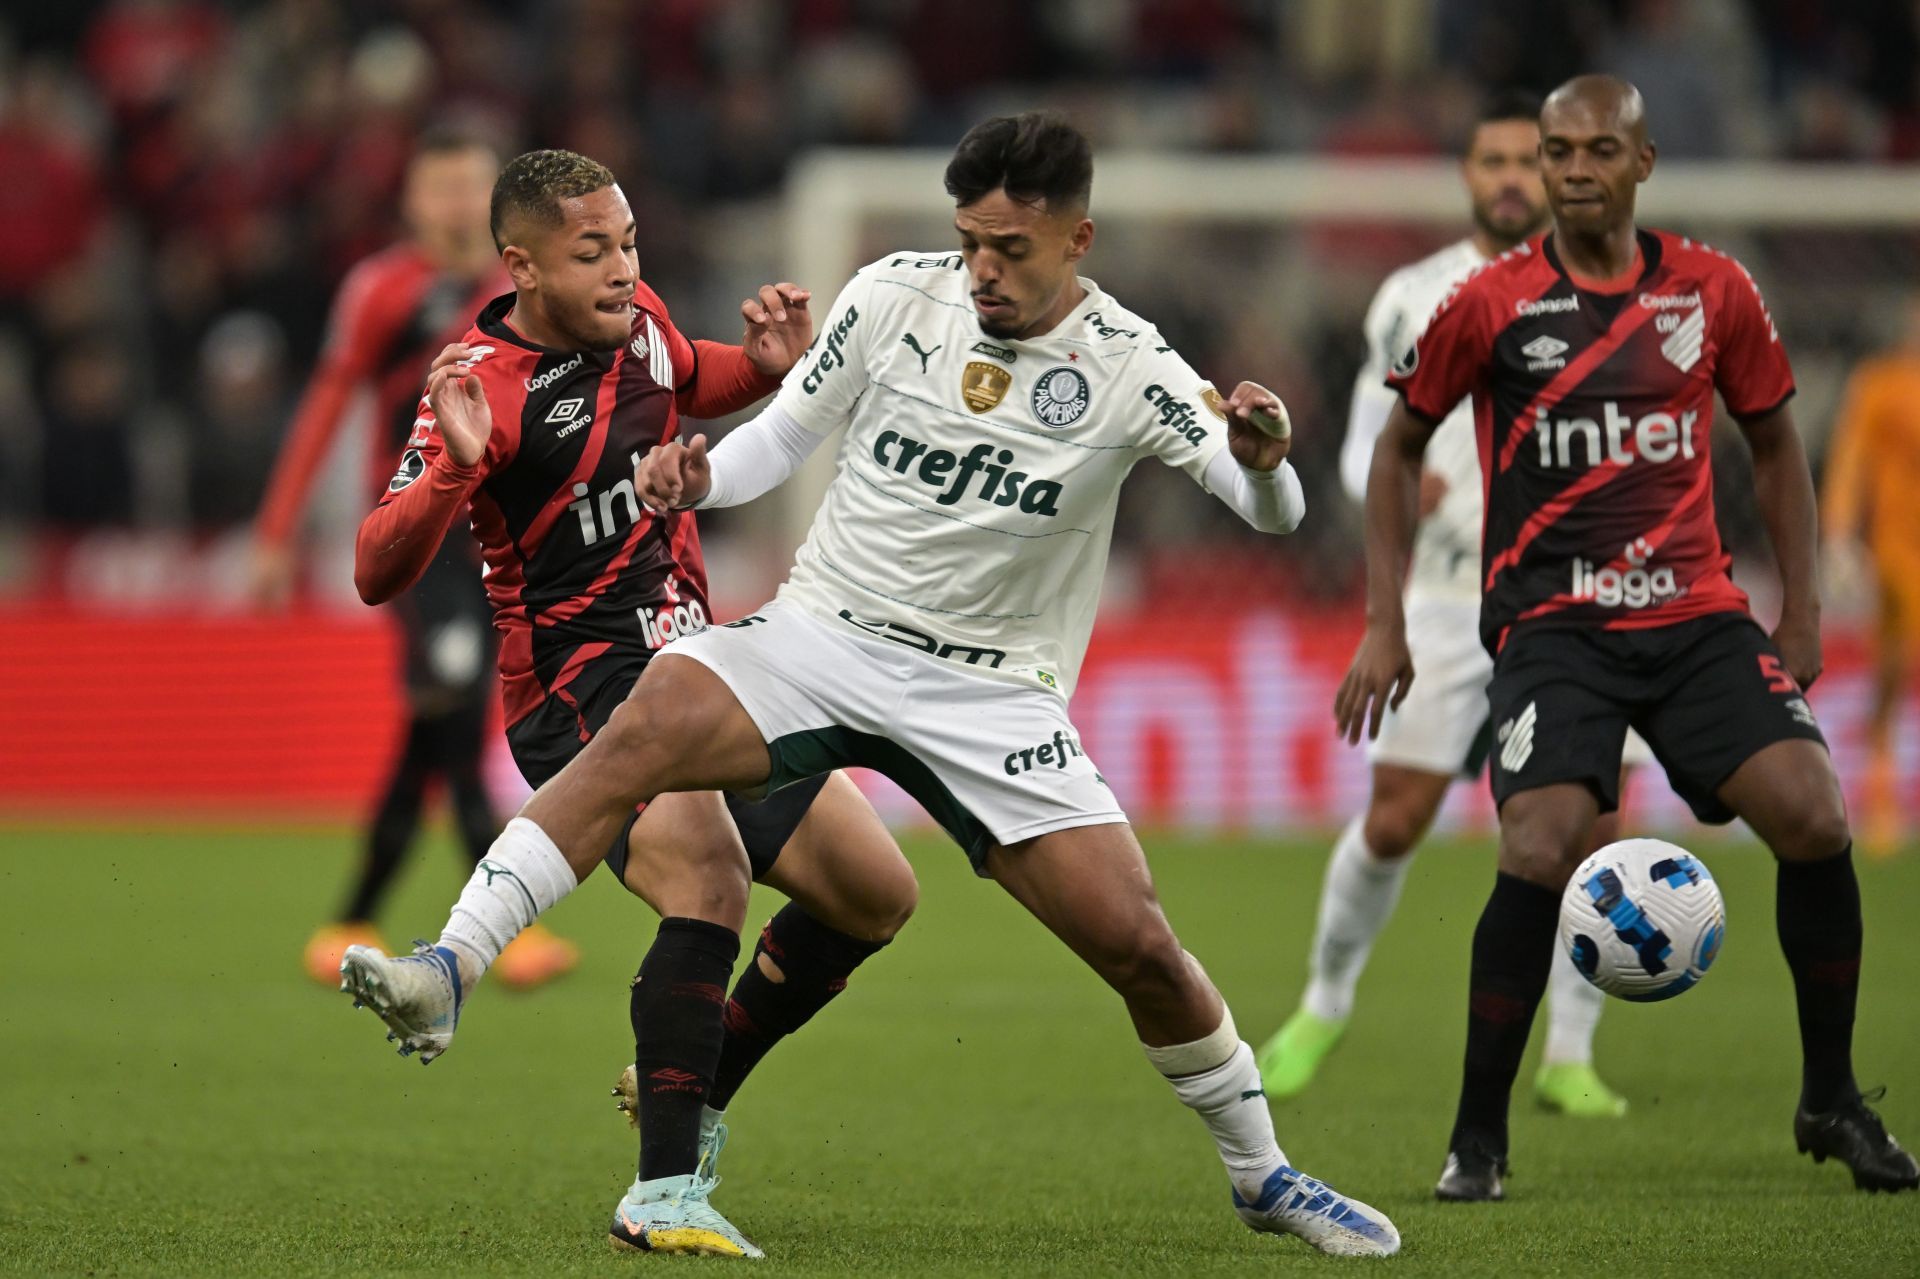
(1440, 733)
(934, 621)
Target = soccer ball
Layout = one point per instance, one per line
(1642, 919)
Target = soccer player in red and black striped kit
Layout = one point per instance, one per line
(535, 422)
(394, 310)
(1592, 355)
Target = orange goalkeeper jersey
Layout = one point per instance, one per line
(1872, 488)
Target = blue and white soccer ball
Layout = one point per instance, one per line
(1642, 919)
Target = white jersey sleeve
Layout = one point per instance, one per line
(1390, 330)
(819, 392)
(1180, 419)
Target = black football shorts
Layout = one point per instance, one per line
(555, 731)
(1707, 694)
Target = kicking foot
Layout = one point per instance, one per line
(1854, 1135)
(1575, 1088)
(535, 957)
(1292, 1203)
(672, 1215)
(417, 995)
(1289, 1061)
(328, 946)
(1472, 1175)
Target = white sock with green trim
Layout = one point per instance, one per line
(1217, 1079)
(521, 878)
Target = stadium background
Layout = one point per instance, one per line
(187, 181)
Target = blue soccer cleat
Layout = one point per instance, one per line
(1292, 1203)
(417, 995)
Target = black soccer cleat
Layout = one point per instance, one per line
(1472, 1175)
(1854, 1135)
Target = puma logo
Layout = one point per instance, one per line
(493, 870)
(914, 343)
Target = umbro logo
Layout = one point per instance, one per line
(1516, 739)
(1543, 353)
(566, 410)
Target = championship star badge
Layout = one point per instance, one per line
(1214, 401)
(984, 385)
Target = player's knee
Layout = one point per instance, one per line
(1147, 961)
(1541, 851)
(1813, 829)
(1391, 831)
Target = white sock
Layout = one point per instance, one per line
(1216, 1078)
(1573, 1011)
(522, 876)
(1356, 901)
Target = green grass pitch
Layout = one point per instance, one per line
(178, 1100)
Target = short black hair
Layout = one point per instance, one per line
(1507, 104)
(532, 186)
(1036, 157)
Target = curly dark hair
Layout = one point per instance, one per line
(532, 185)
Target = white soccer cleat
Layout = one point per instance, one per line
(672, 1215)
(1292, 1203)
(417, 995)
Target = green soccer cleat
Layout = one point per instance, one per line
(672, 1215)
(1289, 1061)
(1575, 1088)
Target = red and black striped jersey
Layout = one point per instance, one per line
(576, 567)
(1594, 412)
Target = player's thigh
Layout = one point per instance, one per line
(843, 867)
(1091, 888)
(681, 728)
(684, 858)
(1401, 807)
(1725, 697)
(1789, 793)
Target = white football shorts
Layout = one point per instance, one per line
(993, 761)
(1443, 726)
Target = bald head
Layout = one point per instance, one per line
(1605, 100)
(1594, 154)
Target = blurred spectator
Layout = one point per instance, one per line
(242, 403)
(86, 456)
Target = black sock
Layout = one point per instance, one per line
(1512, 953)
(814, 962)
(677, 999)
(1817, 911)
(394, 824)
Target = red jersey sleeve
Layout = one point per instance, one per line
(355, 331)
(1451, 357)
(403, 533)
(1751, 371)
(710, 379)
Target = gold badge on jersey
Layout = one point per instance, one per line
(1215, 401)
(984, 385)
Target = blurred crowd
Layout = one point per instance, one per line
(186, 181)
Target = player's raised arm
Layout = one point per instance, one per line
(726, 379)
(444, 462)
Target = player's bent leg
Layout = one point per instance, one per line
(844, 867)
(1543, 833)
(1357, 897)
(1090, 886)
(1790, 795)
(1567, 1082)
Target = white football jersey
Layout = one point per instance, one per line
(1446, 548)
(973, 505)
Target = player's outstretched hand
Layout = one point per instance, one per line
(451, 354)
(673, 475)
(1259, 432)
(1379, 678)
(460, 410)
(779, 327)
